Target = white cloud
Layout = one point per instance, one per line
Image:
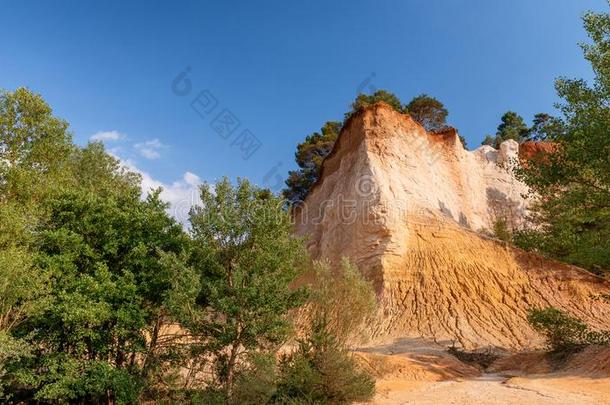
(106, 136)
(192, 179)
(150, 149)
(181, 194)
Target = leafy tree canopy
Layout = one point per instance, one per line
(309, 156)
(80, 274)
(240, 274)
(364, 100)
(34, 147)
(574, 182)
(545, 127)
(512, 126)
(489, 140)
(428, 111)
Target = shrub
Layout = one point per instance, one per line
(501, 230)
(562, 331)
(322, 370)
(344, 299)
(257, 383)
(601, 338)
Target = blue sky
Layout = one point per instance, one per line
(282, 68)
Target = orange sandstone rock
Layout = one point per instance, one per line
(405, 206)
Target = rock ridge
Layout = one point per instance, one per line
(406, 206)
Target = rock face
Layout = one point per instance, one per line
(406, 207)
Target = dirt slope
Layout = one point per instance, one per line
(406, 205)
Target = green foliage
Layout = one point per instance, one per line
(257, 382)
(80, 252)
(32, 144)
(561, 331)
(102, 255)
(344, 299)
(573, 210)
(489, 140)
(428, 111)
(309, 156)
(245, 259)
(34, 147)
(22, 285)
(91, 274)
(321, 370)
(501, 230)
(311, 153)
(564, 332)
(365, 100)
(11, 350)
(512, 127)
(528, 239)
(545, 127)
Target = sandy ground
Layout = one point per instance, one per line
(414, 371)
(495, 389)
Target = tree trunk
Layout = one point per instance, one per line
(231, 369)
(152, 346)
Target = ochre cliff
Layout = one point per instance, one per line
(409, 207)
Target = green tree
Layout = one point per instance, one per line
(573, 183)
(489, 140)
(81, 253)
(501, 230)
(428, 111)
(102, 253)
(364, 100)
(562, 331)
(545, 126)
(322, 369)
(311, 153)
(23, 287)
(245, 260)
(512, 127)
(343, 299)
(34, 147)
(309, 156)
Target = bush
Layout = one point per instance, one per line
(257, 383)
(562, 331)
(344, 299)
(501, 230)
(322, 370)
